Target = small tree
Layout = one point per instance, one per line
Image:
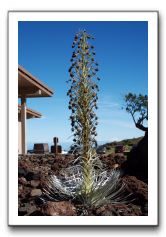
(137, 106)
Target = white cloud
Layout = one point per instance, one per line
(117, 123)
(108, 105)
(123, 124)
(106, 102)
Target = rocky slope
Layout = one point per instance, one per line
(32, 173)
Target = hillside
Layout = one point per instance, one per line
(128, 143)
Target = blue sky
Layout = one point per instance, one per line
(122, 53)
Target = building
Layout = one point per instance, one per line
(28, 87)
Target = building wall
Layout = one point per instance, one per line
(19, 138)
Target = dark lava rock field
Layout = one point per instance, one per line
(33, 171)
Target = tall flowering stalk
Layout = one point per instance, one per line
(83, 182)
(83, 103)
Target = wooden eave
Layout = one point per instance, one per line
(30, 113)
(30, 87)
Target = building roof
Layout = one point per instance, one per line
(30, 113)
(29, 86)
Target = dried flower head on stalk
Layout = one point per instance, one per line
(83, 94)
(83, 103)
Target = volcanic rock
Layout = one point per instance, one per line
(22, 211)
(35, 169)
(113, 160)
(140, 192)
(32, 176)
(63, 208)
(119, 210)
(137, 187)
(137, 161)
(35, 183)
(22, 172)
(36, 192)
(22, 180)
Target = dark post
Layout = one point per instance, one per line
(56, 148)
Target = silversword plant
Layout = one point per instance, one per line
(85, 181)
(83, 103)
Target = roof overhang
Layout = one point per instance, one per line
(30, 87)
(30, 113)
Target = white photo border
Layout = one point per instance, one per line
(13, 18)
